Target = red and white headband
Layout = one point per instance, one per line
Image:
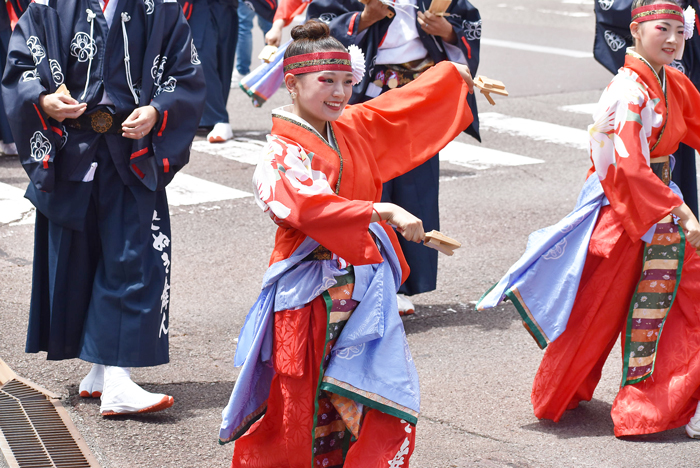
(670, 11)
(352, 61)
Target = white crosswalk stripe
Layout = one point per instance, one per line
(478, 157)
(244, 150)
(581, 108)
(537, 48)
(188, 190)
(535, 130)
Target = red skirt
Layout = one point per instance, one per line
(300, 428)
(572, 364)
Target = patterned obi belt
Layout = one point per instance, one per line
(662, 168)
(386, 77)
(99, 121)
(655, 292)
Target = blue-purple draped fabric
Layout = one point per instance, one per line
(370, 355)
(543, 283)
(264, 81)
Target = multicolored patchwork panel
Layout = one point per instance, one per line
(655, 293)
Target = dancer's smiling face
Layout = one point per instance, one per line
(658, 41)
(320, 96)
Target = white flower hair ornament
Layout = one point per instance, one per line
(689, 23)
(357, 61)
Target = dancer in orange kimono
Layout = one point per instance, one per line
(641, 275)
(298, 401)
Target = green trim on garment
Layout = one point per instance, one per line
(329, 387)
(329, 305)
(532, 326)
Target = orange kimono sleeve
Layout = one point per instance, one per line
(288, 9)
(409, 125)
(300, 199)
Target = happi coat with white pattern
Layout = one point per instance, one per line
(101, 264)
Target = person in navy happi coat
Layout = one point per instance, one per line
(386, 53)
(611, 41)
(104, 98)
(8, 15)
(214, 26)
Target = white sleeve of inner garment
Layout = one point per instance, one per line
(454, 53)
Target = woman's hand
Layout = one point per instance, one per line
(140, 122)
(274, 35)
(689, 223)
(437, 26)
(59, 106)
(692, 232)
(408, 225)
(374, 11)
(466, 75)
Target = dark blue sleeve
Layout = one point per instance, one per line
(612, 33)
(178, 95)
(342, 16)
(466, 22)
(27, 76)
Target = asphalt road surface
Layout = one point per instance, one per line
(476, 368)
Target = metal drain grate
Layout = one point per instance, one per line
(36, 431)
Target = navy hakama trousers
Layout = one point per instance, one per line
(417, 192)
(102, 293)
(215, 34)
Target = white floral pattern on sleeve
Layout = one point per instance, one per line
(625, 102)
(285, 160)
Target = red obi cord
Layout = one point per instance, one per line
(318, 61)
(657, 11)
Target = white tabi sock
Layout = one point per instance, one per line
(92, 384)
(122, 396)
(220, 133)
(693, 427)
(405, 305)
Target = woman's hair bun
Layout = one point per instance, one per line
(313, 36)
(311, 30)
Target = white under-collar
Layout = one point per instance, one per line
(287, 113)
(109, 11)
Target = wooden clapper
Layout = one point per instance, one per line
(440, 242)
(488, 86)
(439, 7)
(267, 54)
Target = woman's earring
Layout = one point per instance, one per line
(293, 95)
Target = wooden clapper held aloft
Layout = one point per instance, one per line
(488, 86)
(439, 7)
(440, 242)
(267, 54)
